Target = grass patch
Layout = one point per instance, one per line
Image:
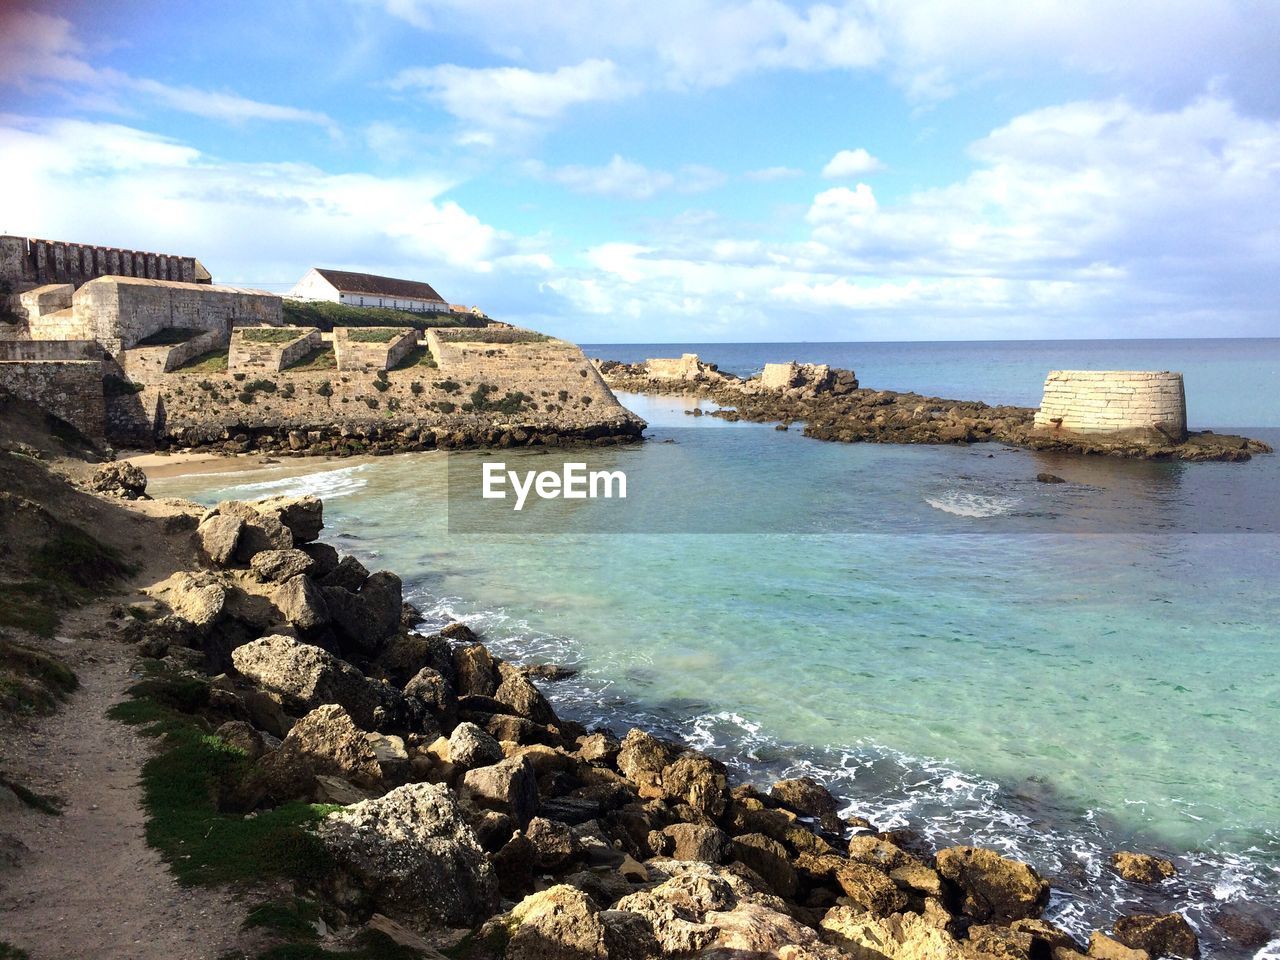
(375, 334)
(29, 606)
(292, 918)
(370, 945)
(9, 952)
(213, 361)
(417, 357)
(37, 801)
(270, 335)
(71, 555)
(501, 335)
(321, 359)
(326, 316)
(183, 784)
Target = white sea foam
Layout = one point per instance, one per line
(326, 484)
(962, 504)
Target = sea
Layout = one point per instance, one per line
(1058, 671)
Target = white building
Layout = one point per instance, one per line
(367, 290)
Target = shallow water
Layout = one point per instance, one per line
(1057, 670)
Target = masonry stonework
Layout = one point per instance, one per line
(69, 389)
(356, 355)
(1121, 402)
(248, 354)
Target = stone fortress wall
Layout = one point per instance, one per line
(1134, 403)
(356, 355)
(66, 381)
(249, 354)
(27, 263)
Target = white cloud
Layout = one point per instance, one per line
(625, 179)
(770, 174)
(851, 163)
(249, 222)
(38, 49)
(1094, 218)
(512, 99)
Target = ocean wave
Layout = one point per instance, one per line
(326, 484)
(962, 504)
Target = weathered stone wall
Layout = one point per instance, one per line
(28, 263)
(70, 389)
(120, 311)
(145, 364)
(1122, 402)
(50, 350)
(249, 354)
(686, 367)
(358, 356)
(50, 298)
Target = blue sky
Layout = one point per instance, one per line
(679, 170)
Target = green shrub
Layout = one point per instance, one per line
(324, 390)
(326, 316)
(448, 386)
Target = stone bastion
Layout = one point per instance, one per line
(1139, 404)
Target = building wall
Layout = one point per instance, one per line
(69, 389)
(313, 286)
(121, 311)
(50, 350)
(1123, 402)
(245, 354)
(357, 356)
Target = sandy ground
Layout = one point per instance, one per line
(88, 885)
(158, 466)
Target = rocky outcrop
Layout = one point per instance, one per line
(411, 855)
(1160, 935)
(1142, 867)
(994, 888)
(324, 742)
(120, 479)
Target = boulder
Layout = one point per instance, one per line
(560, 923)
(306, 677)
(197, 597)
(552, 841)
(349, 574)
(1142, 867)
(243, 737)
(989, 942)
(870, 889)
(878, 853)
(642, 758)
(323, 557)
(1241, 927)
(1102, 947)
(994, 888)
(599, 748)
(120, 479)
(1161, 935)
(758, 930)
(382, 596)
(410, 855)
(475, 670)
(692, 841)
(470, 746)
(301, 603)
(519, 693)
(406, 654)
(769, 860)
(277, 566)
(902, 936)
(807, 797)
(325, 741)
(259, 531)
(219, 535)
(699, 781)
(303, 516)
(509, 786)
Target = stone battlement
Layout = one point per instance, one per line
(29, 262)
(1120, 402)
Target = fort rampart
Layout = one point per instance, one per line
(1140, 404)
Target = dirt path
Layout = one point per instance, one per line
(88, 885)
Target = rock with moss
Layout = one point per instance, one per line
(1142, 867)
(411, 855)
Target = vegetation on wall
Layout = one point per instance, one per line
(326, 316)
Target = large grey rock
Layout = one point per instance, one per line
(120, 479)
(322, 555)
(995, 888)
(411, 855)
(306, 677)
(383, 595)
(197, 597)
(695, 841)
(260, 531)
(326, 742)
(510, 786)
(219, 535)
(769, 859)
(470, 746)
(277, 566)
(303, 516)
(301, 603)
(436, 694)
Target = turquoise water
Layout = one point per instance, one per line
(898, 622)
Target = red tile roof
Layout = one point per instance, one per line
(368, 283)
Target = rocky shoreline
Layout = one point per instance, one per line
(465, 816)
(833, 407)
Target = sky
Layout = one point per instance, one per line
(679, 170)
